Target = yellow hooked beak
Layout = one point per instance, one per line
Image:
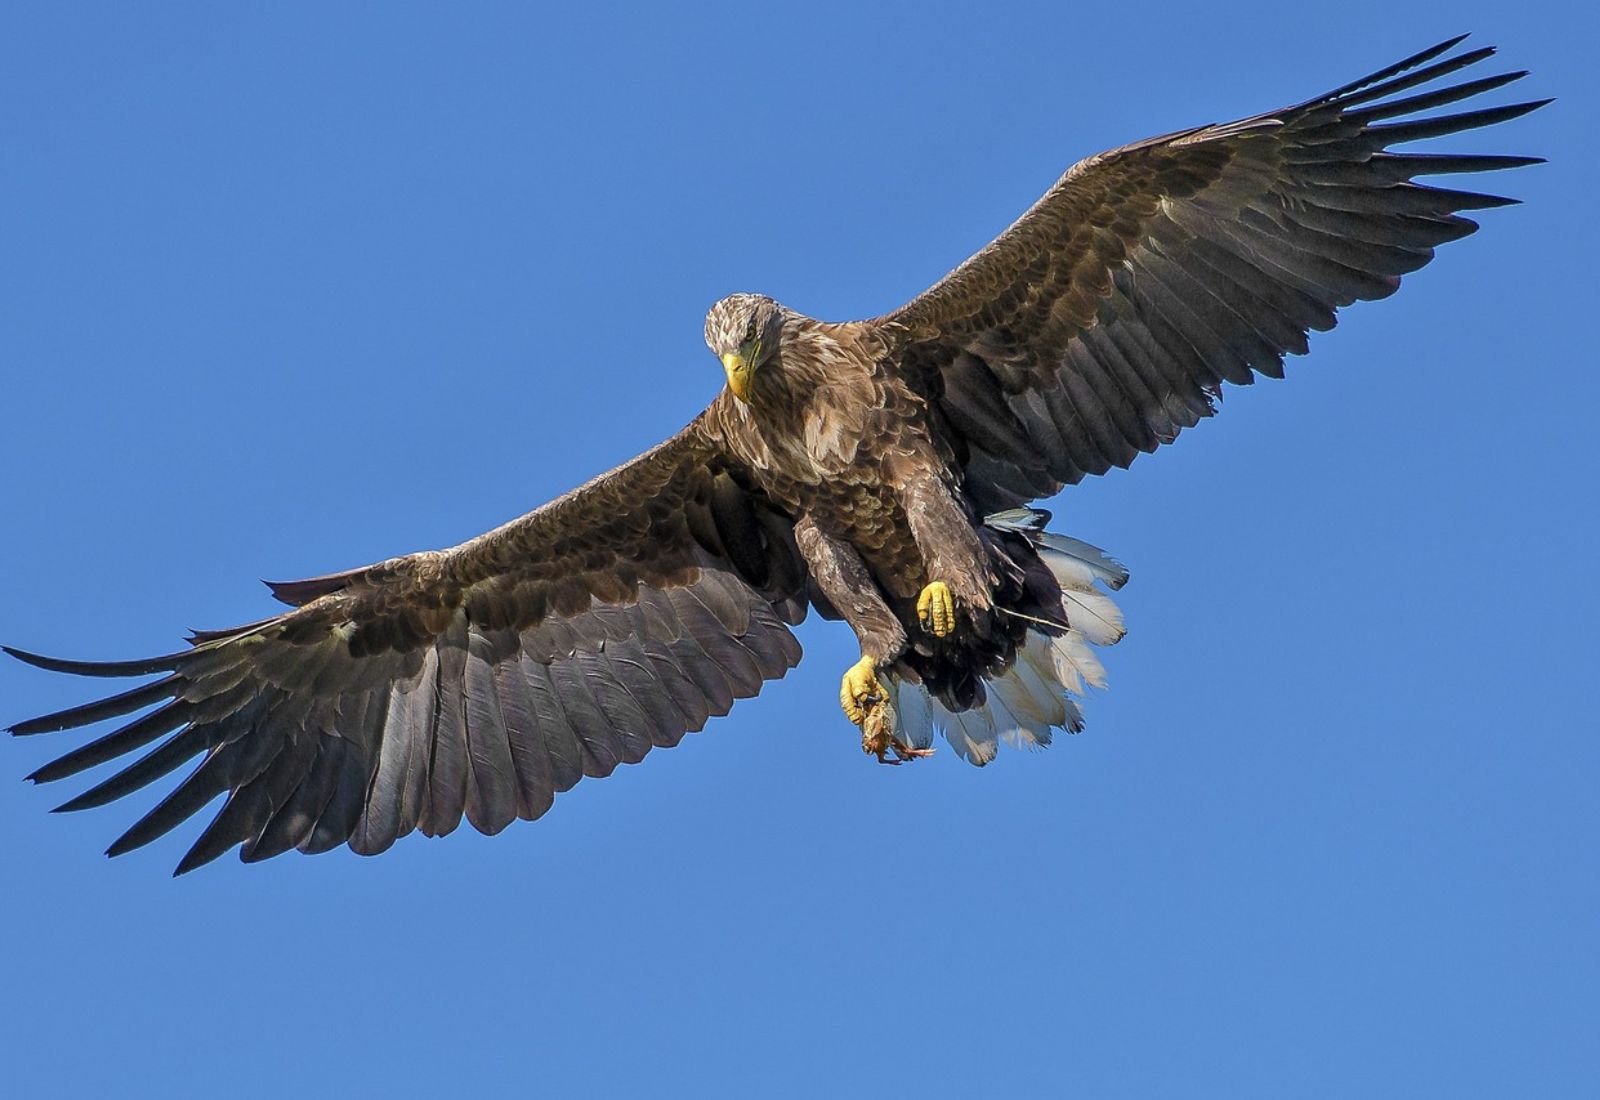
(738, 368)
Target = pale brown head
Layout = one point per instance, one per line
(743, 331)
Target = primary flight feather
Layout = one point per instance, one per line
(878, 471)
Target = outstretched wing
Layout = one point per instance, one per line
(1106, 319)
(480, 680)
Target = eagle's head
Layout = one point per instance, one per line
(743, 330)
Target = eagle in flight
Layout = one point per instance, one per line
(879, 472)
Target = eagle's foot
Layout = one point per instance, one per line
(936, 609)
(861, 694)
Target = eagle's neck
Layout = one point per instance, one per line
(810, 404)
(812, 356)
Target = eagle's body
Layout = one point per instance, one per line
(879, 471)
(833, 433)
(837, 436)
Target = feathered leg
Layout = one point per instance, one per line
(845, 581)
(957, 565)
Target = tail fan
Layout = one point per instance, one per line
(1038, 693)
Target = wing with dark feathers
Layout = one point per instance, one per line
(1107, 318)
(477, 681)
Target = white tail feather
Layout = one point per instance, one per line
(1043, 688)
(969, 733)
(1075, 663)
(1093, 615)
(1018, 717)
(1070, 572)
(1107, 569)
(912, 708)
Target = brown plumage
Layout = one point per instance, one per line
(875, 470)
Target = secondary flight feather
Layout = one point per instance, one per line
(880, 472)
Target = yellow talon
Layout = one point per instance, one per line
(860, 690)
(936, 609)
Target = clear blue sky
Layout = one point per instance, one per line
(284, 290)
